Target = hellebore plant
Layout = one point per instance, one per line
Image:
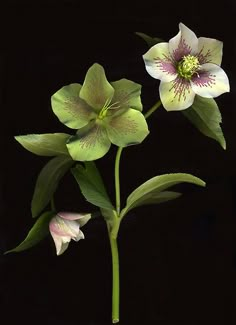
(102, 113)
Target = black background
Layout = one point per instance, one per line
(178, 259)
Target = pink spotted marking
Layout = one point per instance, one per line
(204, 58)
(204, 79)
(181, 88)
(182, 50)
(165, 65)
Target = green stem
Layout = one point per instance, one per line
(115, 280)
(117, 179)
(152, 109)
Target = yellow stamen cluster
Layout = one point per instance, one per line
(188, 66)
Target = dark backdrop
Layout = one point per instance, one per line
(178, 259)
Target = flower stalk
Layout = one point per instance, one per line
(115, 279)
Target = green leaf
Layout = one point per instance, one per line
(206, 116)
(91, 185)
(49, 144)
(148, 191)
(149, 40)
(150, 198)
(38, 232)
(47, 182)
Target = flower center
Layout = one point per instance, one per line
(188, 66)
(107, 106)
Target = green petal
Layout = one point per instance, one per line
(127, 94)
(89, 143)
(96, 90)
(71, 110)
(127, 129)
(49, 144)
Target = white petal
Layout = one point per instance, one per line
(61, 243)
(159, 64)
(210, 50)
(63, 227)
(176, 95)
(79, 236)
(184, 43)
(211, 82)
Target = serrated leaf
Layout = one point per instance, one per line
(148, 191)
(47, 182)
(206, 117)
(37, 233)
(49, 144)
(148, 39)
(91, 185)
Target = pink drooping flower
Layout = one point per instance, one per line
(66, 226)
(187, 66)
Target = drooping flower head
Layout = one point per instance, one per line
(102, 112)
(66, 226)
(187, 66)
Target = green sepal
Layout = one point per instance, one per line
(49, 144)
(151, 190)
(149, 40)
(47, 182)
(37, 233)
(206, 117)
(91, 185)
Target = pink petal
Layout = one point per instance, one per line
(63, 227)
(82, 218)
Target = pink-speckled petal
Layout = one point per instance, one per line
(209, 50)
(159, 64)
(184, 43)
(211, 81)
(176, 95)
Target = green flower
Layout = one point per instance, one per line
(102, 112)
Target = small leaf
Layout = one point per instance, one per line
(149, 40)
(47, 182)
(38, 232)
(151, 198)
(148, 191)
(91, 185)
(49, 144)
(206, 116)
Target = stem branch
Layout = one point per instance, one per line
(152, 109)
